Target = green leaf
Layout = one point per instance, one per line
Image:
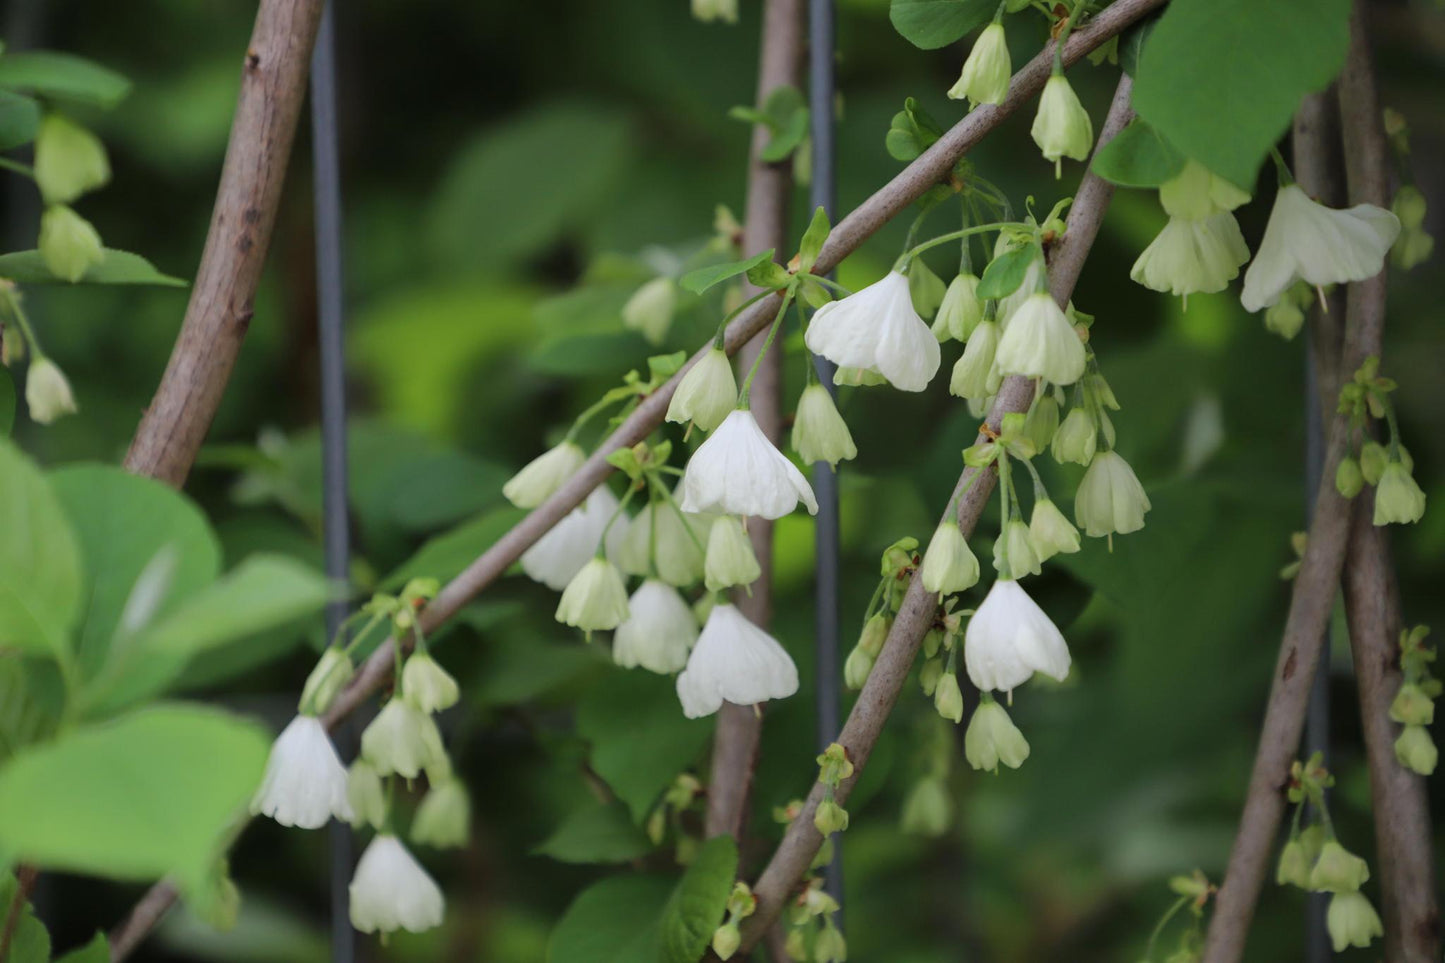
(1006, 272)
(612, 921)
(145, 796)
(696, 906)
(29, 940)
(1138, 157)
(640, 741)
(114, 267)
(29, 710)
(813, 239)
(1220, 79)
(931, 24)
(912, 132)
(19, 119)
(7, 403)
(96, 951)
(63, 76)
(1131, 44)
(596, 834)
(40, 574)
(705, 277)
(786, 138)
(769, 274)
(125, 524)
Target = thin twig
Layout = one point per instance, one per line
(847, 236)
(273, 87)
(765, 225)
(919, 608)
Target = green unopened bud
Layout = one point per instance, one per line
(992, 738)
(333, 670)
(1349, 480)
(1051, 533)
(1295, 863)
(1352, 921)
(1412, 707)
(929, 675)
(819, 432)
(595, 599)
(707, 394)
(898, 556)
(650, 309)
(1076, 438)
(47, 392)
(796, 945)
(1062, 127)
(857, 667)
(543, 475)
(975, 375)
(875, 633)
(1042, 422)
(1338, 870)
(1416, 751)
(1285, 318)
(657, 825)
(444, 818)
(1398, 499)
(710, 10)
(1373, 459)
(69, 160)
(928, 808)
(68, 243)
(366, 794)
(932, 642)
(1013, 551)
(834, 766)
(830, 818)
(987, 71)
(830, 947)
(1409, 207)
(948, 699)
(729, 560)
(726, 939)
(961, 310)
(949, 565)
(741, 901)
(428, 686)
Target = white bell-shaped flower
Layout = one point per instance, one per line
(1039, 342)
(734, 660)
(557, 557)
(650, 309)
(1010, 638)
(730, 558)
(987, 70)
(659, 632)
(402, 739)
(877, 329)
(47, 391)
(707, 393)
(819, 432)
(961, 310)
(1307, 241)
(543, 475)
(1110, 498)
(1062, 127)
(390, 891)
(675, 549)
(737, 471)
(596, 599)
(949, 565)
(305, 782)
(1192, 256)
(426, 685)
(975, 374)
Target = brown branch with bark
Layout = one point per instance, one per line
(765, 225)
(930, 168)
(919, 608)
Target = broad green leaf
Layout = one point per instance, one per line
(1220, 79)
(116, 267)
(696, 906)
(126, 526)
(63, 76)
(705, 277)
(813, 239)
(1137, 157)
(28, 710)
(912, 132)
(519, 668)
(96, 951)
(7, 403)
(1131, 44)
(19, 119)
(40, 568)
(29, 939)
(786, 139)
(640, 739)
(931, 24)
(144, 796)
(596, 834)
(1006, 272)
(612, 921)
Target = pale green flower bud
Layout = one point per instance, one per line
(928, 808)
(707, 394)
(1294, 865)
(1338, 870)
(596, 598)
(1373, 459)
(1352, 921)
(875, 633)
(830, 947)
(1110, 498)
(819, 432)
(987, 70)
(650, 309)
(857, 667)
(1285, 318)
(69, 160)
(992, 738)
(1195, 193)
(402, 739)
(1397, 498)
(333, 670)
(1416, 751)
(1062, 127)
(726, 939)
(961, 310)
(1076, 438)
(47, 392)
(543, 475)
(1042, 422)
(1412, 707)
(68, 243)
(975, 376)
(1412, 248)
(1409, 207)
(444, 818)
(730, 560)
(1349, 481)
(366, 794)
(949, 565)
(1051, 532)
(428, 686)
(710, 10)
(830, 818)
(929, 675)
(948, 699)
(796, 945)
(1013, 551)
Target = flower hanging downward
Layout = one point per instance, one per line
(47, 392)
(987, 70)
(543, 475)
(596, 598)
(1190, 257)
(1010, 638)
(305, 782)
(1062, 127)
(819, 432)
(1039, 342)
(737, 471)
(734, 660)
(427, 685)
(659, 632)
(402, 739)
(391, 891)
(1110, 498)
(877, 330)
(1307, 241)
(707, 393)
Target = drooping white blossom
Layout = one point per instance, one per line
(948, 565)
(402, 739)
(730, 559)
(559, 555)
(1062, 127)
(675, 548)
(734, 660)
(426, 685)
(877, 329)
(987, 71)
(1010, 638)
(390, 891)
(1110, 499)
(961, 310)
(1039, 342)
(659, 632)
(47, 392)
(650, 309)
(819, 432)
(595, 599)
(1192, 256)
(543, 475)
(305, 783)
(707, 393)
(737, 471)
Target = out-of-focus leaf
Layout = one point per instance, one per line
(696, 906)
(445, 555)
(265, 932)
(96, 951)
(613, 921)
(1137, 157)
(931, 24)
(596, 834)
(62, 76)
(703, 278)
(515, 670)
(19, 119)
(7, 403)
(40, 566)
(29, 940)
(114, 267)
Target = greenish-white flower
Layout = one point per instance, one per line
(47, 392)
(1412, 707)
(559, 555)
(69, 245)
(595, 599)
(730, 559)
(819, 432)
(1352, 921)
(1398, 499)
(444, 817)
(928, 808)
(1062, 127)
(1076, 438)
(1192, 256)
(333, 670)
(961, 310)
(992, 738)
(543, 475)
(987, 71)
(402, 739)
(948, 698)
(366, 794)
(390, 891)
(1050, 532)
(1337, 870)
(1110, 499)
(661, 536)
(1039, 342)
(949, 565)
(1416, 751)
(707, 394)
(305, 783)
(69, 160)
(710, 10)
(1013, 551)
(650, 309)
(879, 330)
(659, 631)
(975, 375)
(426, 685)
(1196, 193)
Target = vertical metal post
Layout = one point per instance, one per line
(828, 676)
(331, 339)
(1317, 718)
